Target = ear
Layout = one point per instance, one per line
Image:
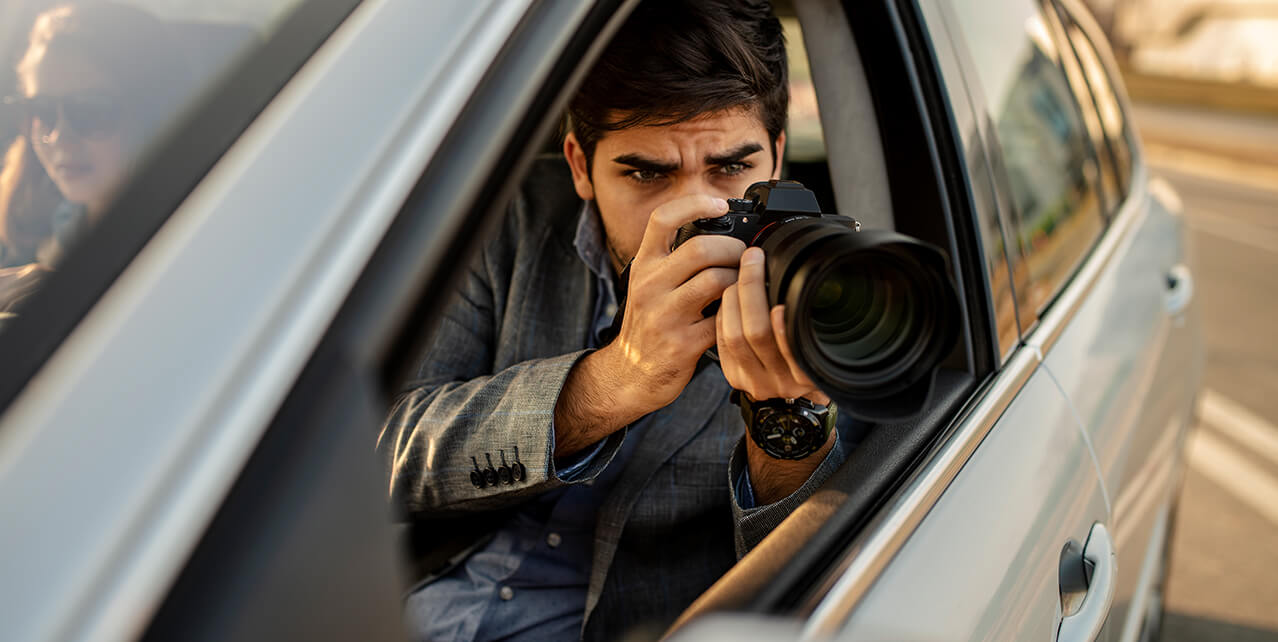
(576, 157)
(780, 147)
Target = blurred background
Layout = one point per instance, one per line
(1204, 79)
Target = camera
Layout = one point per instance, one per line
(869, 315)
(765, 205)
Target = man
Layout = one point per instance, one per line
(601, 483)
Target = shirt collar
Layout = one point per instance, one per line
(589, 242)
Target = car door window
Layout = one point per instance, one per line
(1051, 166)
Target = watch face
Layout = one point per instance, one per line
(789, 433)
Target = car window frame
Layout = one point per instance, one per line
(1123, 176)
(1107, 181)
(372, 342)
(166, 175)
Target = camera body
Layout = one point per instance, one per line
(766, 206)
(869, 316)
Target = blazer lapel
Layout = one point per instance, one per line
(669, 430)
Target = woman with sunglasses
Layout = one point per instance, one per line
(95, 81)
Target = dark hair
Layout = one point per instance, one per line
(674, 60)
(142, 58)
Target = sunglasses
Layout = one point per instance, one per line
(88, 116)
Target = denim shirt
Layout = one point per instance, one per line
(530, 580)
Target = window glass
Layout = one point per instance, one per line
(804, 141)
(1109, 109)
(1107, 174)
(806, 160)
(1051, 167)
(88, 88)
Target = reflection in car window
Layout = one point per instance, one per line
(1051, 166)
(1112, 119)
(88, 89)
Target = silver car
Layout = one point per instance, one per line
(191, 394)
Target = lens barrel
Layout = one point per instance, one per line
(869, 315)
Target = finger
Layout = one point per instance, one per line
(778, 328)
(726, 364)
(704, 333)
(666, 220)
(755, 319)
(702, 289)
(734, 350)
(699, 253)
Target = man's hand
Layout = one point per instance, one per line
(663, 332)
(757, 359)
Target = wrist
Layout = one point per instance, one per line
(775, 479)
(623, 392)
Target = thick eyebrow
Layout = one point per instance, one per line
(734, 155)
(646, 164)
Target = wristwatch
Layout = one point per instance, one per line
(786, 428)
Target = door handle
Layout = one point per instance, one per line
(1085, 623)
(1180, 290)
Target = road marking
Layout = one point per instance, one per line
(1240, 424)
(1214, 166)
(1230, 470)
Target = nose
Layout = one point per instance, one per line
(700, 183)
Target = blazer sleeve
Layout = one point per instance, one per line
(754, 523)
(458, 415)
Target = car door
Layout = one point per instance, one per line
(973, 546)
(1130, 358)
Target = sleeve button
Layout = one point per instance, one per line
(553, 540)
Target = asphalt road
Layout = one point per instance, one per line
(1223, 579)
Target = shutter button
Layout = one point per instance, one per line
(506, 593)
(553, 540)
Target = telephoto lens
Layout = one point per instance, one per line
(870, 315)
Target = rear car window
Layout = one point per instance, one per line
(1112, 118)
(1051, 166)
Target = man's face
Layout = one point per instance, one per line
(637, 170)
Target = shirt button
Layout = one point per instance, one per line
(553, 540)
(506, 593)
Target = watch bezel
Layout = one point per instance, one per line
(759, 415)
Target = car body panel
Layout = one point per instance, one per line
(983, 564)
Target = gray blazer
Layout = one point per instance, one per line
(488, 384)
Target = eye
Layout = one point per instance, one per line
(733, 169)
(643, 176)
